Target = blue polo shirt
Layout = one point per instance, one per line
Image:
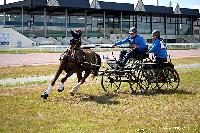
(157, 49)
(138, 40)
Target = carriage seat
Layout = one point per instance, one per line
(154, 65)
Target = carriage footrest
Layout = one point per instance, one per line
(125, 80)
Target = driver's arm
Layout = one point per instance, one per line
(122, 41)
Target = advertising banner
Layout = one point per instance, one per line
(4, 39)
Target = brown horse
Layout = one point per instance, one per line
(75, 62)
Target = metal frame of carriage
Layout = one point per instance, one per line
(141, 75)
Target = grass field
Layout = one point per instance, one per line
(25, 51)
(22, 109)
(29, 71)
(59, 50)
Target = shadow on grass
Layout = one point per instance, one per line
(101, 99)
(181, 92)
(166, 92)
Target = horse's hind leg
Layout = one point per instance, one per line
(81, 81)
(79, 76)
(61, 85)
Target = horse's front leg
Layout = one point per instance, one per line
(81, 81)
(59, 71)
(61, 85)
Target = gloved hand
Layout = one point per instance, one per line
(135, 46)
(114, 45)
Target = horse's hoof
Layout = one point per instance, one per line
(133, 92)
(61, 90)
(71, 93)
(44, 96)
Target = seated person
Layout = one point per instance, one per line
(158, 47)
(136, 41)
(75, 42)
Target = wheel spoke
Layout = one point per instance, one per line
(171, 85)
(110, 83)
(171, 79)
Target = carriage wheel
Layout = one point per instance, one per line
(167, 79)
(110, 83)
(142, 81)
(152, 79)
(127, 83)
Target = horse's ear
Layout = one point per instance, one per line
(72, 33)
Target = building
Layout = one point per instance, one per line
(108, 20)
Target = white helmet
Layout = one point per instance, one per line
(132, 30)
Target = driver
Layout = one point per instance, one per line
(136, 41)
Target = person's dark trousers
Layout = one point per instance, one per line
(132, 54)
(160, 60)
(122, 55)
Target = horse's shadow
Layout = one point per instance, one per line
(101, 99)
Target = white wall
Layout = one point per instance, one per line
(16, 37)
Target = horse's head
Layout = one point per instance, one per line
(75, 43)
(76, 34)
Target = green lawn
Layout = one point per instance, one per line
(187, 60)
(25, 51)
(43, 50)
(22, 109)
(29, 71)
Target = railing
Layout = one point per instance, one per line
(183, 45)
(95, 47)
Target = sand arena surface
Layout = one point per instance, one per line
(53, 58)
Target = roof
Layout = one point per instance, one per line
(193, 12)
(158, 9)
(116, 6)
(26, 3)
(74, 3)
(41, 3)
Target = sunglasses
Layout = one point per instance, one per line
(132, 33)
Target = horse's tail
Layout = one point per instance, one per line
(97, 64)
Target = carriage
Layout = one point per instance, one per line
(141, 75)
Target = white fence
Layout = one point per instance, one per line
(95, 47)
(183, 45)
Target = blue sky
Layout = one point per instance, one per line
(193, 4)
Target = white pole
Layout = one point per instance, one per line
(166, 29)
(86, 24)
(22, 20)
(45, 22)
(66, 20)
(4, 19)
(121, 24)
(4, 16)
(104, 24)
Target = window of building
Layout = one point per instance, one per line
(170, 29)
(144, 26)
(172, 20)
(196, 32)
